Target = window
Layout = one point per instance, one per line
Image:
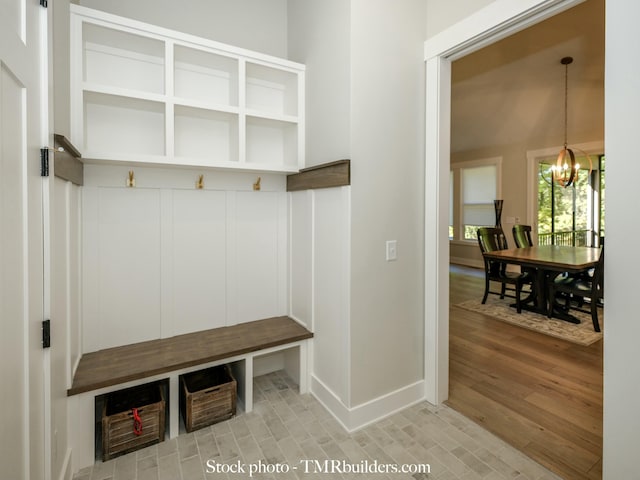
(451, 229)
(475, 185)
(572, 215)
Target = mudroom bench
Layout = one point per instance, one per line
(250, 349)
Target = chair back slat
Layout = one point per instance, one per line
(492, 239)
(522, 235)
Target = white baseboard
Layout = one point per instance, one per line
(355, 418)
(467, 262)
(65, 472)
(330, 401)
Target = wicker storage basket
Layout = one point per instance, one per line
(118, 436)
(207, 397)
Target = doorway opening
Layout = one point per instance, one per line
(495, 22)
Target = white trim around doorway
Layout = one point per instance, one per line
(488, 25)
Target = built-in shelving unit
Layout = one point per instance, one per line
(145, 94)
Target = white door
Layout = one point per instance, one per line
(22, 133)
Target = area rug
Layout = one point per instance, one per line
(581, 333)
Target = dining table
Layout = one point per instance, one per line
(547, 262)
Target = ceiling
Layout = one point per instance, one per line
(512, 92)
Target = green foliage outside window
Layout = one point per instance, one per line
(557, 214)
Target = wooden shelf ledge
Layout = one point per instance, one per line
(136, 361)
(327, 175)
(68, 161)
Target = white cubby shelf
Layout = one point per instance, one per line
(144, 94)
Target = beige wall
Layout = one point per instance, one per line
(387, 123)
(622, 329)
(319, 37)
(365, 79)
(441, 14)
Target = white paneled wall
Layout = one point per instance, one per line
(164, 258)
(260, 254)
(301, 235)
(320, 279)
(65, 310)
(127, 267)
(195, 261)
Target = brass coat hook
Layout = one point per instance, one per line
(200, 182)
(256, 186)
(131, 180)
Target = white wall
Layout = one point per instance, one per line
(259, 25)
(622, 329)
(61, 68)
(442, 14)
(320, 263)
(319, 37)
(65, 257)
(387, 125)
(65, 312)
(365, 102)
(165, 259)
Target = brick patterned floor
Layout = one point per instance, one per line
(286, 429)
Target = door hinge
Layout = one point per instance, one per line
(44, 162)
(43, 3)
(46, 334)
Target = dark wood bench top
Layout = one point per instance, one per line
(117, 365)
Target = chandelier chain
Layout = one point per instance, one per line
(566, 94)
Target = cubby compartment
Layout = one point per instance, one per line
(271, 143)
(205, 77)
(207, 397)
(122, 125)
(206, 135)
(130, 419)
(287, 360)
(145, 94)
(271, 91)
(116, 58)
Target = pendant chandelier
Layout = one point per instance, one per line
(565, 171)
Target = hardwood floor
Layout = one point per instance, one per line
(540, 394)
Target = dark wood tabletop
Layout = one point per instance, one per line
(559, 258)
(548, 261)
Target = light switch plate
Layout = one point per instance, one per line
(392, 250)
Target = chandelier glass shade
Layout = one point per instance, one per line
(565, 171)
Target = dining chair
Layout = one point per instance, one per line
(522, 238)
(579, 288)
(491, 239)
(522, 235)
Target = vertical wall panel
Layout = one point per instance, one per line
(199, 265)
(164, 259)
(257, 259)
(75, 285)
(90, 332)
(301, 238)
(129, 265)
(331, 289)
(61, 254)
(13, 277)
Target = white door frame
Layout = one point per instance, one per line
(26, 446)
(490, 24)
